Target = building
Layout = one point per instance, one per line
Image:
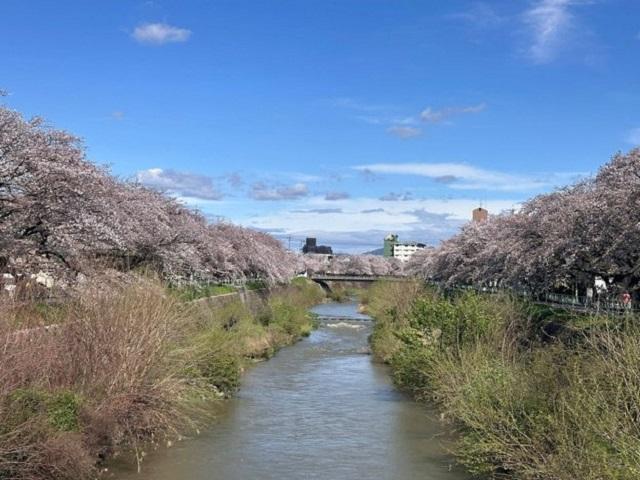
(479, 215)
(311, 246)
(400, 250)
(404, 250)
(389, 242)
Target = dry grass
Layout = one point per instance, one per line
(125, 368)
(113, 352)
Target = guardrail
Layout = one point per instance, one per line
(596, 304)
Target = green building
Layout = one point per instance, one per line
(389, 243)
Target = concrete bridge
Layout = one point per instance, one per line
(323, 279)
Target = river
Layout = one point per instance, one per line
(320, 409)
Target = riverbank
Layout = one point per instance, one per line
(321, 409)
(534, 393)
(128, 369)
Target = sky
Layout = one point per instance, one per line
(341, 119)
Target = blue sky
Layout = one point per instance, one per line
(344, 119)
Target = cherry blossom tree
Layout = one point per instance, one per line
(47, 191)
(561, 241)
(351, 265)
(65, 215)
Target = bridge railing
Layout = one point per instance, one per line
(339, 276)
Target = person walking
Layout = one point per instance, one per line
(589, 297)
(626, 300)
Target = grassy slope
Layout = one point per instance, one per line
(129, 368)
(535, 394)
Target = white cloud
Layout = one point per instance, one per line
(480, 15)
(466, 177)
(396, 197)
(550, 23)
(550, 26)
(352, 104)
(633, 136)
(359, 224)
(304, 177)
(404, 126)
(404, 132)
(262, 191)
(332, 196)
(234, 179)
(182, 184)
(160, 33)
(437, 116)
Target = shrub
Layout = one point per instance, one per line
(189, 293)
(388, 302)
(128, 367)
(221, 370)
(304, 292)
(256, 285)
(215, 357)
(450, 324)
(288, 317)
(339, 295)
(384, 341)
(286, 312)
(411, 367)
(527, 404)
(59, 409)
(107, 373)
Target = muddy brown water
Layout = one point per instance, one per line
(320, 409)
